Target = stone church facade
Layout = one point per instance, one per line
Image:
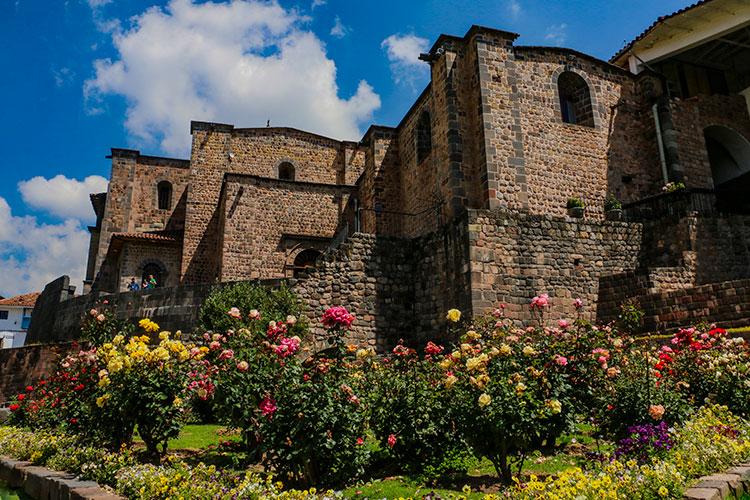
(471, 187)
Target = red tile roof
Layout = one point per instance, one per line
(654, 25)
(157, 236)
(26, 300)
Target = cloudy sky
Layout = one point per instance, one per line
(81, 76)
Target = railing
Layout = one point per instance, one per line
(402, 224)
(684, 201)
(338, 239)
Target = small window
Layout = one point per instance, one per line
(164, 189)
(575, 100)
(3, 314)
(424, 136)
(286, 171)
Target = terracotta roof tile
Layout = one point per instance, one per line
(163, 236)
(26, 300)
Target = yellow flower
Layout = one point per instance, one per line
(163, 335)
(505, 350)
(472, 364)
(663, 491)
(177, 401)
(102, 400)
(473, 335)
(450, 381)
(484, 400)
(445, 364)
(555, 406)
(117, 340)
(454, 315)
(103, 382)
(528, 350)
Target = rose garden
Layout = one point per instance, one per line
(573, 410)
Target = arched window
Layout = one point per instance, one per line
(164, 190)
(151, 277)
(424, 136)
(286, 171)
(575, 99)
(305, 259)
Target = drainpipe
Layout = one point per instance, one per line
(356, 215)
(660, 140)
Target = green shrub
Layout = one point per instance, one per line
(272, 304)
(575, 203)
(611, 203)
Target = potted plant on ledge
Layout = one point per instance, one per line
(612, 208)
(575, 208)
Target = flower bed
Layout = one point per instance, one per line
(499, 393)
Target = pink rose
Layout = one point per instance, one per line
(337, 316)
(226, 354)
(267, 407)
(93, 312)
(578, 303)
(243, 366)
(290, 320)
(101, 318)
(540, 301)
(562, 360)
(392, 440)
(563, 324)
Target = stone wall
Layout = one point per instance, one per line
(727, 303)
(266, 223)
(514, 257)
(218, 150)
(691, 116)
(132, 203)
(22, 366)
(135, 254)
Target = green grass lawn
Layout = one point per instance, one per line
(199, 436)
(481, 474)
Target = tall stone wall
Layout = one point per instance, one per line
(514, 257)
(132, 202)
(267, 222)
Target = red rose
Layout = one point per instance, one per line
(14, 407)
(21, 397)
(29, 388)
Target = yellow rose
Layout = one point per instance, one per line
(473, 335)
(102, 400)
(445, 364)
(117, 340)
(103, 382)
(555, 406)
(484, 400)
(454, 315)
(472, 364)
(450, 381)
(528, 350)
(177, 401)
(505, 350)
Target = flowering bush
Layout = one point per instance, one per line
(410, 413)
(106, 393)
(100, 325)
(306, 419)
(508, 392)
(248, 305)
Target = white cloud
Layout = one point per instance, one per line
(339, 30)
(556, 34)
(63, 76)
(33, 254)
(63, 197)
(514, 6)
(403, 53)
(318, 3)
(95, 4)
(238, 62)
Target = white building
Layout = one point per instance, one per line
(15, 316)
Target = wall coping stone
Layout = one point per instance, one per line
(735, 481)
(41, 483)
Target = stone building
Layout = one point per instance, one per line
(472, 184)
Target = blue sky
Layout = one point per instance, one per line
(81, 76)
